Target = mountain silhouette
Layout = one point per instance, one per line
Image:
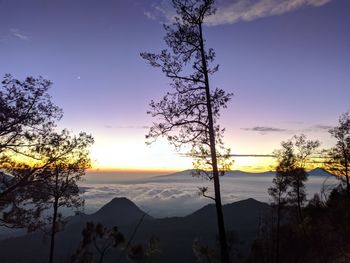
(319, 172)
(118, 211)
(176, 234)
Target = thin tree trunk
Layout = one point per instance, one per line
(278, 232)
(220, 217)
(299, 201)
(101, 258)
(347, 178)
(54, 219)
(53, 230)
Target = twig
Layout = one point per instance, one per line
(131, 237)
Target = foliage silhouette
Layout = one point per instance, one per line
(206, 254)
(292, 161)
(324, 237)
(44, 165)
(26, 113)
(278, 192)
(57, 185)
(338, 159)
(27, 117)
(144, 252)
(287, 193)
(53, 187)
(97, 239)
(322, 234)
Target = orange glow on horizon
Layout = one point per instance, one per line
(246, 164)
(132, 170)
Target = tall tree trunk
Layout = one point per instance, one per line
(54, 219)
(225, 258)
(53, 229)
(299, 201)
(347, 177)
(278, 231)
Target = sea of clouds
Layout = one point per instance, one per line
(174, 195)
(178, 195)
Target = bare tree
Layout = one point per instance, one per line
(188, 115)
(339, 156)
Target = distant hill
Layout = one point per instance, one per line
(190, 172)
(176, 234)
(119, 211)
(319, 172)
(186, 174)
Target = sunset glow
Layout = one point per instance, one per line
(289, 74)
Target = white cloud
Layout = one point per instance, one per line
(178, 196)
(230, 12)
(150, 15)
(18, 34)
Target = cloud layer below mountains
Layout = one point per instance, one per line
(168, 197)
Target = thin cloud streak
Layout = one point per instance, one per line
(230, 12)
(127, 127)
(264, 129)
(320, 127)
(18, 34)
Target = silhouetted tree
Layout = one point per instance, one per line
(323, 235)
(144, 252)
(18, 208)
(339, 156)
(27, 115)
(287, 192)
(188, 115)
(278, 192)
(294, 157)
(26, 112)
(57, 183)
(97, 239)
(207, 254)
(264, 246)
(49, 187)
(326, 232)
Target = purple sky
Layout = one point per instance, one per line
(287, 62)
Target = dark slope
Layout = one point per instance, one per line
(176, 234)
(34, 247)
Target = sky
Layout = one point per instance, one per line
(286, 61)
